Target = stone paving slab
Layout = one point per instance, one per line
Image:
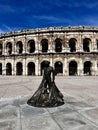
(80, 111)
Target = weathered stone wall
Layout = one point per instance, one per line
(70, 50)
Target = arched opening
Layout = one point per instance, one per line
(72, 45)
(97, 44)
(86, 44)
(19, 47)
(9, 48)
(31, 68)
(73, 68)
(42, 67)
(0, 49)
(87, 68)
(58, 45)
(0, 68)
(44, 44)
(31, 46)
(58, 67)
(19, 68)
(8, 69)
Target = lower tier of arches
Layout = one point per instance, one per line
(65, 66)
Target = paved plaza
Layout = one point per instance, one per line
(80, 111)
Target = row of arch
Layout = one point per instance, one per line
(44, 45)
(58, 68)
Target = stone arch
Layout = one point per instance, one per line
(19, 46)
(8, 69)
(31, 68)
(58, 67)
(0, 68)
(97, 44)
(44, 44)
(9, 48)
(72, 67)
(42, 65)
(87, 68)
(19, 68)
(31, 46)
(58, 45)
(72, 44)
(1, 49)
(86, 44)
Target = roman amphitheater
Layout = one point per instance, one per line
(70, 50)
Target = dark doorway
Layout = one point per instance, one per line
(87, 68)
(19, 68)
(72, 45)
(72, 68)
(42, 67)
(44, 44)
(19, 47)
(8, 69)
(9, 48)
(31, 68)
(0, 69)
(58, 45)
(31, 46)
(58, 67)
(86, 45)
(97, 44)
(0, 49)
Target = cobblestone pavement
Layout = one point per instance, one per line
(80, 111)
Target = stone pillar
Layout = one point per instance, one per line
(3, 68)
(49, 47)
(3, 48)
(24, 45)
(39, 47)
(65, 67)
(80, 44)
(80, 68)
(13, 73)
(94, 45)
(94, 68)
(24, 66)
(13, 47)
(36, 67)
(39, 68)
(14, 68)
(36, 45)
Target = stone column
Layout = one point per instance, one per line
(80, 68)
(80, 44)
(24, 45)
(36, 67)
(13, 47)
(3, 67)
(49, 46)
(14, 67)
(36, 45)
(94, 68)
(24, 66)
(65, 67)
(13, 73)
(3, 48)
(94, 45)
(39, 68)
(39, 47)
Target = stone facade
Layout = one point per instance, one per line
(70, 50)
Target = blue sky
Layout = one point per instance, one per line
(26, 14)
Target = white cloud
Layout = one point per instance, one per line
(51, 18)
